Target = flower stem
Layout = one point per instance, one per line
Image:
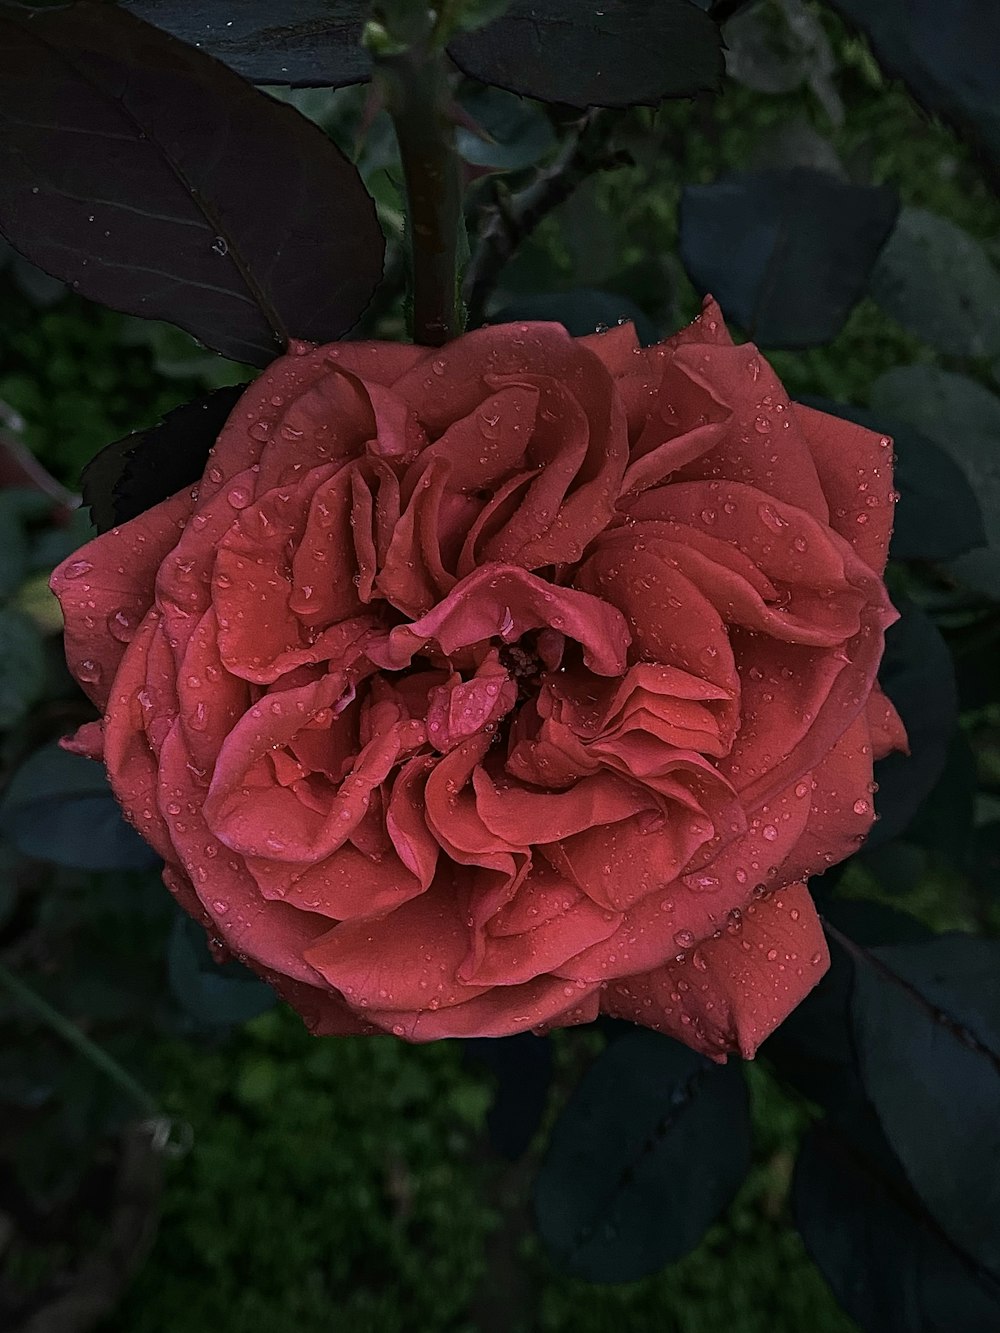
(413, 80)
(82, 1044)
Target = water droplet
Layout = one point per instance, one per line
(684, 939)
(861, 807)
(239, 497)
(771, 518)
(769, 832)
(220, 245)
(122, 625)
(77, 569)
(88, 671)
(703, 883)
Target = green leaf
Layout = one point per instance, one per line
(939, 283)
(964, 419)
(918, 675)
(211, 995)
(59, 807)
(22, 666)
(18, 508)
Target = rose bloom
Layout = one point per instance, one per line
(490, 687)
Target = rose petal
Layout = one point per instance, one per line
(106, 587)
(855, 470)
(732, 992)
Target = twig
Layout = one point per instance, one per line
(511, 219)
(82, 1044)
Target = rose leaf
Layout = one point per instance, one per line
(813, 1049)
(787, 253)
(138, 471)
(211, 995)
(652, 1146)
(939, 283)
(889, 1264)
(58, 807)
(964, 419)
(926, 1021)
(155, 180)
(622, 53)
(22, 665)
(946, 54)
(918, 676)
(303, 43)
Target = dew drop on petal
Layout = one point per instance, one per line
(88, 671)
(77, 569)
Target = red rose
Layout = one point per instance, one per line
(484, 688)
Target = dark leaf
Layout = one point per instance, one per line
(943, 824)
(650, 1149)
(813, 1048)
(211, 996)
(157, 181)
(964, 419)
(927, 1027)
(135, 473)
(795, 143)
(522, 1067)
(59, 807)
(515, 133)
(938, 282)
(22, 666)
(305, 43)
(937, 514)
(786, 253)
(623, 53)
(19, 507)
(947, 54)
(918, 676)
(899, 865)
(986, 858)
(580, 311)
(888, 1263)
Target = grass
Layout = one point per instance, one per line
(347, 1185)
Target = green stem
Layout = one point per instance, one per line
(414, 84)
(72, 1035)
